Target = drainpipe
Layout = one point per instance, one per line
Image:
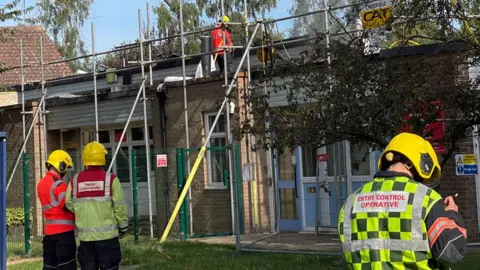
(163, 216)
(206, 46)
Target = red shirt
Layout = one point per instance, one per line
(51, 192)
(217, 38)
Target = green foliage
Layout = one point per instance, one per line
(16, 217)
(363, 98)
(63, 20)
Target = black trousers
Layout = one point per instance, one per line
(103, 255)
(59, 251)
(221, 64)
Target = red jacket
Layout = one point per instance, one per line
(217, 38)
(51, 193)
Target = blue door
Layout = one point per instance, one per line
(288, 191)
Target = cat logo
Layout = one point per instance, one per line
(375, 18)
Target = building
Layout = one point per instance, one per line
(71, 125)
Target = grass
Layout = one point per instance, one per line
(189, 255)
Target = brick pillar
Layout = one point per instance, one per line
(39, 168)
(255, 191)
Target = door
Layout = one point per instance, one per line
(288, 190)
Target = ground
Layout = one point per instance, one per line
(196, 255)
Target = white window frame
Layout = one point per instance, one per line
(210, 184)
(128, 143)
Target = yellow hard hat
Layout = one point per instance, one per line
(60, 160)
(225, 19)
(94, 154)
(419, 152)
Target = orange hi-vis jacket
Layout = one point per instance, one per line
(217, 38)
(51, 192)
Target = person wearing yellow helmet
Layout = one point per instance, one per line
(96, 198)
(221, 36)
(59, 246)
(397, 220)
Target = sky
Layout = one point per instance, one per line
(117, 20)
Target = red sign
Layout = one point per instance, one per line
(118, 134)
(435, 131)
(322, 157)
(161, 161)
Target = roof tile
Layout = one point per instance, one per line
(10, 55)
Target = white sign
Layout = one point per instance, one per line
(90, 186)
(393, 201)
(161, 161)
(466, 164)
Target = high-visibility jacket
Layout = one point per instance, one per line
(383, 225)
(217, 38)
(96, 198)
(51, 193)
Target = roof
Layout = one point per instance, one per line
(10, 55)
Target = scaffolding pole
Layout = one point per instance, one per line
(185, 108)
(94, 65)
(44, 111)
(227, 116)
(145, 123)
(19, 156)
(202, 150)
(22, 79)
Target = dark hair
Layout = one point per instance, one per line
(400, 158)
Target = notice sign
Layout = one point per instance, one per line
(466, 164)
(161, 161)
(393, 201)
(90, 186)
(322, 157)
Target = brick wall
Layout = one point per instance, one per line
(11, 122)
(256, 191)
(211, 207)
(442, 71)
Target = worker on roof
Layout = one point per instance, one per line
(59, 246)
(218, 33)
(96, 198)
(398, 220)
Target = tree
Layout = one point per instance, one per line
(168, 24)
(63, 20)
(365, 98)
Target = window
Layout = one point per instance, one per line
(360, 159)
(133, 139)
(309, 161)
(336, 165)
(217, 158)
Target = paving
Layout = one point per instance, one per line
(324, 242)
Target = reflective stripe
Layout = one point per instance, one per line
(390, 244)
(96, 199)
(107, 185)
(74, 186)
(48, 266)
(98, 229)
(439, 226)
(59, 222)
(417, 209)
(65, 263)
(53, 201)
(417, 243)
(123, 225)
(119, 202)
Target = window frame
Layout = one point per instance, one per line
(210, 184)
(127, 143)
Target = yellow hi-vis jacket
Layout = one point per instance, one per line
(96, 198)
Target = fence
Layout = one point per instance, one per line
(206, 212)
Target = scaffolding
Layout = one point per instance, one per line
(42, 111)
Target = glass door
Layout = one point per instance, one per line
(287, 190)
